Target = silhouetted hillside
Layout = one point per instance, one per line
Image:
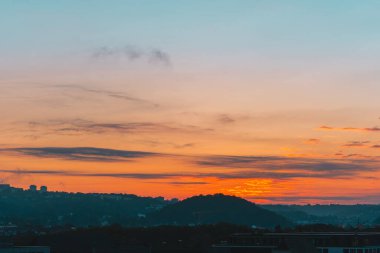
(22, 207)
(349, 215)
(217, 208)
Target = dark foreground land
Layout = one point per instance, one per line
(117, 239)
(160, 239)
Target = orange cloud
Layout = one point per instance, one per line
(357, 144)
(312, 141)
(361, 129)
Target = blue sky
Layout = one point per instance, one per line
(294, 29)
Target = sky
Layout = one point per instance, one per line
(272, 101)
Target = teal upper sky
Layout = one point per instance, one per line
(326, 45)
(237, 30)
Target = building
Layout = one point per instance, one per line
(334, 242)
(24, 249)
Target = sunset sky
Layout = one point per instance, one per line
(273, 101)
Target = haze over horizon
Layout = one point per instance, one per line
(275, 102)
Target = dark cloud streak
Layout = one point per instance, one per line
(81, 153)
(233, 167)
(81, 126)
(362, 129)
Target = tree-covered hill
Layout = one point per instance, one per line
(211, 209)
(78, 209)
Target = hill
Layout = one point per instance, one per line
(348, 215)
(212, 209)
(23, 207)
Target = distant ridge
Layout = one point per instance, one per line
(211, 209)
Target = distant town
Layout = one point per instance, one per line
(38, 220)
(8, 187)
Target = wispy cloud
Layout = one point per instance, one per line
(357, 156)
(186, 145)
(234, 167)
(357, 144)
(237, 174)
(80, 153)
(312, 141)
(361, 129)
(288, 167)
(103, 92)
(292, 199)
(237, 161)
(86, 174)
(229, 167)
(81, 126)
(186, 183)
(159, 56)
(225, 119)
(131, 54)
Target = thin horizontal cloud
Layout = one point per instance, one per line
(186, 183)
(237, 161)
(225, 119)
(357, 144)
(108, 93)
(133, 175)
(358, 156)
(363, 129)
(233, 167)
(80, 153)
(186, 145)
(304, 173)
(81, 126)
(293, 199)
(239, 174)
(336, 172)
(86, 174)
(129, 52)
(312, 141)
(132, 54)
(289, 167)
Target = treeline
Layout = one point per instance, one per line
(51, 209)
(36, 208)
